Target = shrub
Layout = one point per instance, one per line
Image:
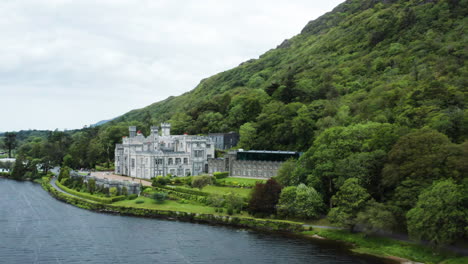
(221, 175)
(124, 191)
(113, 191)
(160, 181)
(230, 211)
(201, 181)
(160, 197)
(139, 201)
(132, 196)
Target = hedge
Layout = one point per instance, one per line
(221, 175)
(106, 200)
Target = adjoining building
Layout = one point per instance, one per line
(162, 154)
(252, 163)
(224, 140)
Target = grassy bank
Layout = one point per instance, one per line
(388, 248)
(151, 210)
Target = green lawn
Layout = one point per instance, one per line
(225, 190)
(235, 181)
(172, 205)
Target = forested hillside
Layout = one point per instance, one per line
(401, 62)
(374, 94)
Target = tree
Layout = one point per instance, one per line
(9, 141)
(357, 150)
(264, 198)
(92, 186)
(440, 215)
(286, 201)
(285, 175)
(67, 161)
(349, 200)
(300, 201)
(19, 169)
(63, 174)
(248, 135)
(308, 202)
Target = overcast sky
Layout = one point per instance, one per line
(65, 64)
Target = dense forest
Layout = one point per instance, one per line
(374, 94)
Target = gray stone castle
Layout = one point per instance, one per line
(162, 154)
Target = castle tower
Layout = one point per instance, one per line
(165, 129)
(154, 130)
(132, 131)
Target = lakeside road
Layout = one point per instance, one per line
(111, 176)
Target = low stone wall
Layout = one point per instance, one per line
(255, 223)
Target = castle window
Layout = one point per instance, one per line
(170, 162)
(198, 153)
(177, 161)
(133, 163)
(185, 160)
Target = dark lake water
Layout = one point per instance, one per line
(36, 228)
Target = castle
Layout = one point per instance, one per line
(162, 154)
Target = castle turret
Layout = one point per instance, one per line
(165, 129)
(132, 131)
(154, 130)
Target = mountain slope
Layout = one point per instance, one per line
(400, 62)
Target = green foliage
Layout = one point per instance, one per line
(349, 200)
(91, 186)
(160, 181)
(113, 191)
(89, 196)
(286, 175)
(132, 196)
(440, 215)
(221, 175)
(64, 173)
(375, 217)
(9, 142)
(234, 201)
(301, 201)
(159, 197)
(264, 198)
(201, 181)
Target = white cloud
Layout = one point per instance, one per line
(68, 63)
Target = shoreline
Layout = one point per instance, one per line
(264, 225)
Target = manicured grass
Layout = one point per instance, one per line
(172, 206)
(236, 181)
(386, 247)
(225, 190)
(211, 189)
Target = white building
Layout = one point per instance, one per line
(147, 157)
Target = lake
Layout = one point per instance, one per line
(36, 228)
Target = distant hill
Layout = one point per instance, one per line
(100, 123)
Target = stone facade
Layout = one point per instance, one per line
(264, 165)
(162, 154)
(224, 140)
